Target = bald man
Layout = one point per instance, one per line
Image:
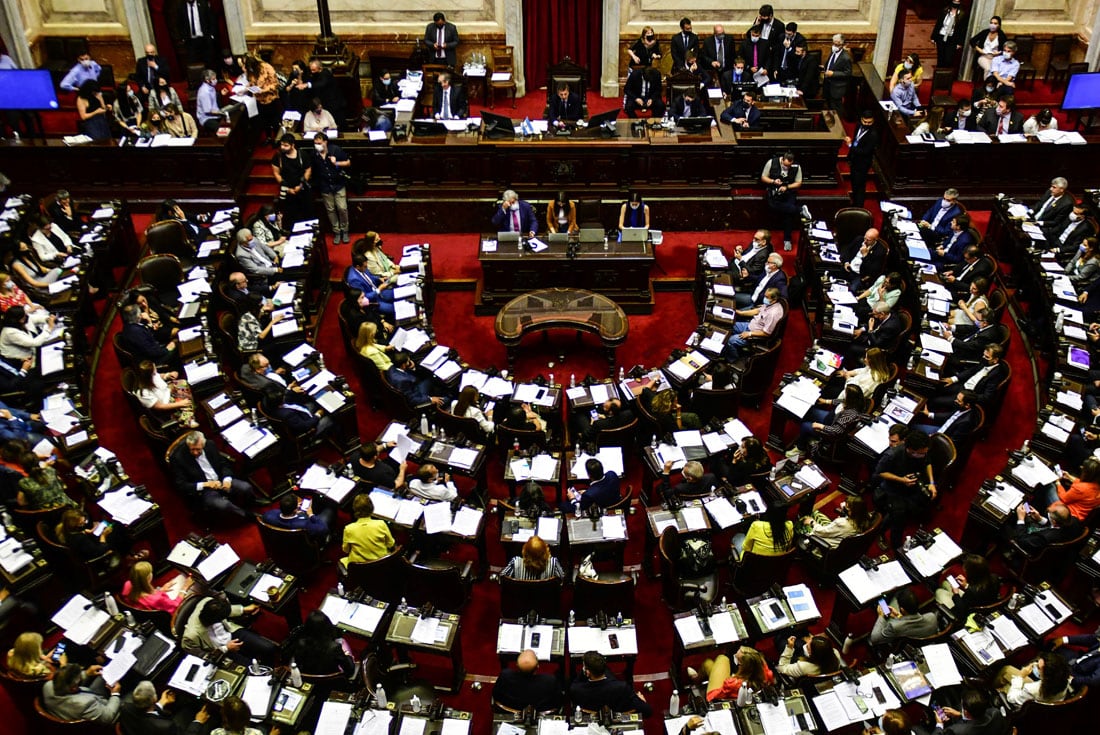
(523, 686)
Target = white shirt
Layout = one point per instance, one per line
(433, 490)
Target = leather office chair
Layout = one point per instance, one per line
(589, 213)
(27, 519)
(681, 593)
(381, 578)
(22, 690)
(520, 596)
(571, 73)
(1025, 46)
(826, 562)
(290, 548)
(611, 593)
(527, 438)
(625, 436)
(182, 615)
(1052, 562)
(942, 81)
(1067, 715)
(227, 340)
(754, 573)
(455, 425)
(942, 456)
(161, 619)
(125, 357)
(49, 724)
(303, 446)
(1061, 45)
(163, 273)
(755, 380)
(76, 571)
(168, 237)
(157, 438)
(721, 404)
(443, 583)
(850, 223)
(370, 379)
(396, 680)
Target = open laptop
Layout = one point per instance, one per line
(635, 234)
(557, 238)
(591, 234)
(507, 237)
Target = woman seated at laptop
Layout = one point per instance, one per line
(634, 212)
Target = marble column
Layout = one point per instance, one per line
(881, 59)
(139, 23)
(609, 64)
(1092, 53)
(980, 13)
(234, 26)
(13, 31)
(513, 36)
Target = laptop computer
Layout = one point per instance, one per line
(635, 234)
(557, 238)
(591, 234)
(503, 237)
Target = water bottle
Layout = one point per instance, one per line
(404, 605)
(674, 703)
(622, 373)
(416, 703)
(723, 603)
(572, 617)
(130, 619)
(619, 619)
(744, 696)
(340, 588)
(434, 430)
(515, 445)
(653, 442)
(111, 604)
(423, 424)
(295, 674)
(577, 716)
(6, 517)
(380, 700)
(572, 380)
(254, 667)
(551, 380)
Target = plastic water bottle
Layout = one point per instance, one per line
(619, 619)
(295, 674)
(380, 700)
(577, 716)
(744, 696)
(572, 617)
(653, 442)
(674, 703)
(254, 667)
(416, 703)
(551, 380)
(572, 380)
(404, 605)
(340, 588)
(622, 373)
(423, 424)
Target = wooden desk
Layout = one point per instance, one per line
(562, 308)
(620, 271)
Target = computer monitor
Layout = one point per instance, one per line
(428, 128)
(497, 126)
(597, 121)
(635, 234)
(27, 89)
(697, 125)
(1082, 92)
(739, 88)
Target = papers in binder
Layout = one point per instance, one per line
(1005, 497)
(408, 512)
(13, 557)
(463, 457)
(775, 720)
(722, 512)
(385, 505)
(87, 625)
(221, 559)
(1035, 618)
(613, 527)
(192, 674)
(723, 629)
(694, 518)
(404, 310)
(669, 453)
(1033, 472)
(124, 505)
(258, 693)
(801, 602)
(1049, 600)
(198, 372)
(689, 629)
(425, 630)
(549, 529)
(773, 614)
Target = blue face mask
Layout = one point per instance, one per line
(767, 301)
(271, 218)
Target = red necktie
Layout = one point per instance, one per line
(1001, 126)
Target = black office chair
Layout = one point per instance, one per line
(679, 592)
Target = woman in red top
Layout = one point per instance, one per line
(139, 591)
(11, 295)
(1084, 491)
(752, 670)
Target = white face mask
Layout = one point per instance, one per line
(1073, 217)
(319, 148)
(908, 64)
(964, 113)
(836, 48)
(86, 63)
(1008, 54)
(387, 82)
(993, 27)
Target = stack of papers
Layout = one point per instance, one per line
(799, 396)
(124, 505)
(221, 559)
(13, 556)
(356, 615)
(942, 671)
(1005, 497)
(930, 561)
(865, 585)
(582, 638)
(801, 602)
(1033, 472)
(513, 638)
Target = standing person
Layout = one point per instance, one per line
(949, 34)
(861, 155)
(92, 111)
(838, 72)
(646, 51)
(149, 68)
(441, 38)
(783, 177)
(195, 24)
(293, 174)
(331, 165)
(83, 70)
(681, 44)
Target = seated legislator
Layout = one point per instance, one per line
(317, 648)
(366, 345)
(289, 515)
(402, 376)
(634, 212)
(935, 225)
(534, 562)
(1054, 208)
(366, 538)
(1080, 493)
(565, 107)
(749, 264)
(178, 122)
(597, 688)
(1033, 531)
(76, 693)
(317, 119)
(165, 393)
(258, 261)
(448, 101)
(962, 117)
(723, 682)
(138, 337)
(146, 714)
(955, 423)
(977, 297)
(688, 104)
(736, 79)
(904, 96)
(976, 716)
(981, 380)
(427, 484)
(514, 215)
(770, 535)
(853, 518)
(1042, 120)
(642, 93)
(815, 657)
(51, 245)
(140, 592)
(524, 686)
(40, 487)
(561, 214)
(373, 470)
(209, 629)
(1002, 118)
(752, 290)
(360, 278)
(904, 620)
(1066, 239)
(602, 490)
(202, 473)
(950, 250)
(743, 113)
(695, 480)
(765, 319)
(609, 415)
(1019, 687)
(466, 406)
(975, 264)
(883, 327)
(26, 658)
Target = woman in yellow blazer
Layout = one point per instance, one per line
(561, 214)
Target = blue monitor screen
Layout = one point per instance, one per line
(27, 89)
(1082, 92)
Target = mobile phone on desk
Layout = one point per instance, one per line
(536, 638)
(612, 639)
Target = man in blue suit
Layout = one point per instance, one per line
(603, 488)
(515, 215)
(935, 225)
(951, 249)
(402, 376)
(743, 113)
(358, 277)
(564, 106)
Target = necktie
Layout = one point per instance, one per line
(439, 39)
(947, 424)
(859, 137)
(685, 42)
(1001, 126)
(645, 88)
(446, 104)
(515, 220)
(754, 55)
(721, 54)
(687, 109)
(977, 377)
(783, 64)
(832, 58)
(1043, 209)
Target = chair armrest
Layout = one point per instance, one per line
(465, 573)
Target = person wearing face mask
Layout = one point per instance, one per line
(11, 296)
(1042, 120)
(806, 74)
(646, 51)
(935, 225)
(1067, 239)
(163, 95)
(882, 330)
(903, 486)
(861, 155)
(718, 52)
(514, 215)
(949, 33)
(981, 379)
(956, 423)
(1004, 69)
(771, 29)
(320, 84)
(317, 119)
(642, 93)
(385, 91)
(128, 110)
(681, 44)
(756, 51)
(634, 212)
(752, 288)
(736, 79)
(206, 104)
(988, 43)
(962, 117)
(149, 68)
(92, 111)
(951, 248)
(784, 62)
(440, 40)
(179, 123)
(83, 70)
(330, 164)
(782, 178)
(814, 657)
(911, 63)
(838, 73)
(764, 321)
(904, 96)
(293, 173)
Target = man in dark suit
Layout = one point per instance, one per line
(771, 30)
(806, 74)
(956, 423)
(1002, 118)
(883, 328)
(949, 34)
(195, 24)
(681, 43)
(515, 215)
(974, 265)
(962, 117)
(642, 92)
(598, 688)
(298, 411)
(1068, 238)
(1052, 211)
(978, 717)
(784, 63)
(868, 264)
(449, 102)
(688, 105)
(838, 73)
(751, 292)
(524, 687)
(149, 68)
(322, 85)
(1084, 667)
(695, 480)
(610, 415)
(736, 79)
(755, 51)
(743, 114)
(981, 380)
(718, 52)
(317, 522)
(935, 225)
(441, 38)
(201, 472)
(1033, 531)
(138, 338)
(749, 264)
(147, 715)
(402, 377)
(602, 490)
(861, 155)
(564, 106)
(951, 248)
(968, 342)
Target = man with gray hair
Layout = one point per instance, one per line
(207, 111)
(138, 338)
(205, 476)
(1052, 211)
(145, 714)
(764, 321)
(515, 215)
(771, 277)
(883, 327)
(258, 261)
(696, 481)
(935, 225)
(838, 72)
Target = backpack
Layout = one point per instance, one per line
(696, 557)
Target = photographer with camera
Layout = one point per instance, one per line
(782, 178)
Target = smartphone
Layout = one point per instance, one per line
(280, 701)
(613, 639)
(939, 712)
(861, 705)
(1027, 507)
(192, 672)
(952, 581)
(879, 696)
(57, 652)
(535, 638)
(99, 528)
(306, 503)
(884, 607)
(984, 654)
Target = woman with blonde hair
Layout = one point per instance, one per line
(139, 591)
(534, 562)
(752, 670)
(366, 346)
(874, 373)
(27, 659)
(646, 51)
